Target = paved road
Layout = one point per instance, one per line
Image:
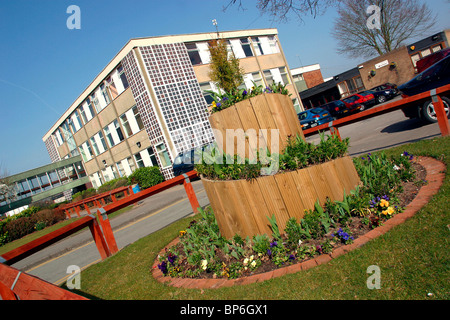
(156, 212)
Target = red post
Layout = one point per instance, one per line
(107, 230)
(335, 132)
(99, 239)
(87, 208)
(191, 194)
(77, 209)
(67, 213)
(6, 293)
(441, 115)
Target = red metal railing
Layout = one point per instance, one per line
(99, 200)
(35, 288)
(412, 101)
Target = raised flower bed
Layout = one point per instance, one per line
(241, 206)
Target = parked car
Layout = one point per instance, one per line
(387, 87)
(314, 117)
(435, 76)
(431, 59)
(366, 100)
(339, 108)
(380, 96)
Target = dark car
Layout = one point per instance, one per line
(381, 96)
(339, 108)
(184, 162)
(435, 76)
(431, 59)
(392, 87)
(366, 100)
(314, 117)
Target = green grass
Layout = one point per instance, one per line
(413, 259)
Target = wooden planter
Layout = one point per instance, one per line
(266, 111)
(242, 207)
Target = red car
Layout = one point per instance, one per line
(366, 100)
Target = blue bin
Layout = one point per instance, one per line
(136, 189)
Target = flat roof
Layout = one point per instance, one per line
(147, 41)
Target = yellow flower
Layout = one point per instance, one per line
(384, 203)
(390, 210)
(182, 233)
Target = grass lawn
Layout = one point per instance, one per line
(413, 259)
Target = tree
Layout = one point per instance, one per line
(7, 189)
(225, 70)
(365, 28)
(281, 9)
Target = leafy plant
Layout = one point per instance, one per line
(146, 177)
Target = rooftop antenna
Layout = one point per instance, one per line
(214, 22)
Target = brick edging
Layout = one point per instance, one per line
(435, 175)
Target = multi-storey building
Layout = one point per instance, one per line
(151, 101)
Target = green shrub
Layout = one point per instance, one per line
(146, 177)
(26, 222)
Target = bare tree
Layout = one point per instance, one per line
(7, 189)
(366, 28)
(280, 10)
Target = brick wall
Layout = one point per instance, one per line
(403, 72)
(313, 78)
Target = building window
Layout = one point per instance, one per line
(122, 77)
(121, 169)
(359, 83)
(59, 137)
(104, 93)
(257, 79)
(268, 76)
(90, 108)
(436, 48)
(205, 87)
(152, 155)
(163, 155)
(137, 116)
(193, 53)
(131, 164)
(86, 151)
(94, 146)
(257, 46)
(118, 130)
(95, 102)
(139, 160)
(126, 125)
(246, 47)
(284, 75)
(273, 44)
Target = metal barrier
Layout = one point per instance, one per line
(412, 101)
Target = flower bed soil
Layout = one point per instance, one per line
(356, 228)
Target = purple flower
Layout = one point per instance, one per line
(171, 258)
(269, 252)
(273, 244)
(244, 93)
(292, 257)
(163, 267)
(218, 104)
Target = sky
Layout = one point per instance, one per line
(45, 66)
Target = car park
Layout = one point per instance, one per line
(340, 109)
(313, 117)
(366, 100)
(434, 77)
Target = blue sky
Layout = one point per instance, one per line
(45, 66)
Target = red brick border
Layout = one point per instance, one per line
(435, 177)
